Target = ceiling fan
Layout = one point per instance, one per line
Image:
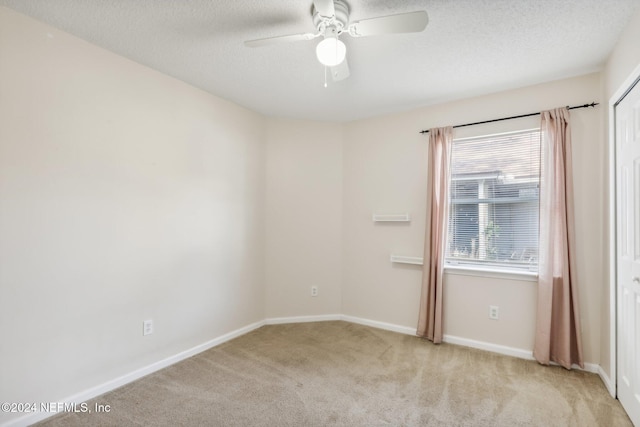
(331, 18)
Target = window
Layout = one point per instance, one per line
(494, 201)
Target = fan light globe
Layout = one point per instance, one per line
(331, 51)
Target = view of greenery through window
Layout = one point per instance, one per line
(494, 201)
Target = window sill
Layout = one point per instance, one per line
(525, 276)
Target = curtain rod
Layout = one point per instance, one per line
(593, 104)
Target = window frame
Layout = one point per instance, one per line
(460, 267)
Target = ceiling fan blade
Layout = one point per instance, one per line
(340, 71)
(324, 7)
(280, 39)
(412, 22)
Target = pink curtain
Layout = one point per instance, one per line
(558, 318)
(430, 318)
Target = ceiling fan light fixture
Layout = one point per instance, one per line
(331, 51)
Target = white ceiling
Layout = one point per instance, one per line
(470, 47)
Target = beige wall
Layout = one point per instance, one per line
(304, 218)
(385, 172)
(124, 195)
(623, 61)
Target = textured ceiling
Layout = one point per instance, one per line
(470, 47)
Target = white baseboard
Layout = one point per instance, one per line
(132, 376)
(302, 319)
(481, 345)
(607, 382)
(351, 319)
(510, 351)
(380, 325)
(588, 367)
(494, 348)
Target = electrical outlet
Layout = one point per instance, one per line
(147, 327)
(494, 312)
(314, 291)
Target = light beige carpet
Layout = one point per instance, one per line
(342, 374)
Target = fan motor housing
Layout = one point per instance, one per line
(340, 21)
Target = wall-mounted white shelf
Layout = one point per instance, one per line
(404, 217)
(406, 259)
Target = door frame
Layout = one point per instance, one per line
(618, 95)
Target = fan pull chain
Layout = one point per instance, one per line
(325, 76)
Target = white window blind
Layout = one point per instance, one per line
(494, 202)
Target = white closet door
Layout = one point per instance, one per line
(628, 251)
